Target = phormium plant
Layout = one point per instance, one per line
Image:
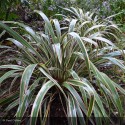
(63, 61)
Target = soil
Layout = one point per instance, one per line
(57, 114)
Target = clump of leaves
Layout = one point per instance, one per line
(63, 60)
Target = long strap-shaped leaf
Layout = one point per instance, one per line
(48, 24)
(7, 75)
(104, 40)
(76, 14)
(79, 114)
(27, 99)
(12, 105)
(110, 85)
(72, 111)
(28, 52)
(72, 25)
(28, 29)
(116, 62)
(19, 38)
(38, 101)
(58, 51)
(9, 98)
(98, 100)
(90, 91)
(11, 67)
(79, 100)
(53, 80)
(91, 106)
(82, 46)
(92, 28)
(58, 29)
(25, 80)
(86, 86)
(76, 96)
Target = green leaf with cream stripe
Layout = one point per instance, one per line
(38, 100)
(26, 76)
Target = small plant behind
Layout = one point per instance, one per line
(104, 8)
(63, 61)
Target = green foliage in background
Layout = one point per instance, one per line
(6, 7)
(118, 7)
